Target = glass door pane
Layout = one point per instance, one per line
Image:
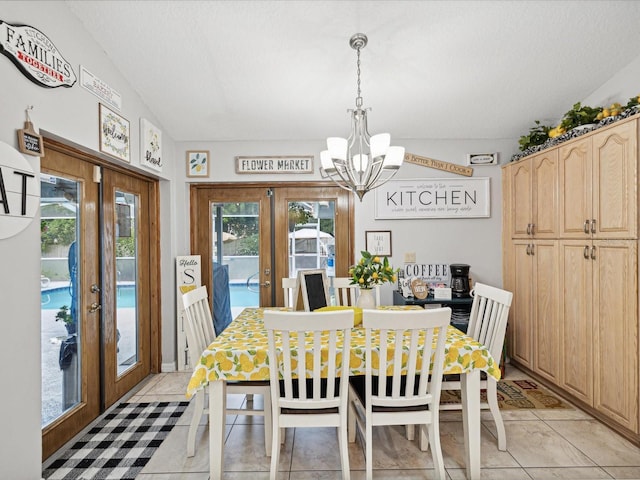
(236, 248)
(60, 295)
(126, 205)
(311, 234)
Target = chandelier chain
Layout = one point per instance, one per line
(359, 98)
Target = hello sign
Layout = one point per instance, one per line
(35, 55)
(19, 192)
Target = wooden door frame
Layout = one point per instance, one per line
(56, 145)
(195, 237)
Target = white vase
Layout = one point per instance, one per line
(366, 299)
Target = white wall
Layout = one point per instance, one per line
(475, 241)
(70, 114)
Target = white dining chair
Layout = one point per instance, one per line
(487, 325)
(290, 287)
(199, 330)
(346, 294)
(309, 388)
(409, 397)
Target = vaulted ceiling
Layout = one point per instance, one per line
(274, 70)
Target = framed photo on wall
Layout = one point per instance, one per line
(115, 136)
(378, 242)
(198, 163)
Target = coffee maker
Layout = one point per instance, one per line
(459, 280)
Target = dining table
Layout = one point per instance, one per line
(240, 353)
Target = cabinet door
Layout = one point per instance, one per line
(616, 331)
(545, 194)
(615, 159)
(521, 198)
(576, 305)
(520, 327)
(575, 188)
(546, 321)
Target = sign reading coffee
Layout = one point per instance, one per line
(35, 55)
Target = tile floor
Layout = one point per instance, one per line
(541, 444)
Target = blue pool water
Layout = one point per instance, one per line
(54, 298)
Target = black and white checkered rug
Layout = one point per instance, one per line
(120, 444)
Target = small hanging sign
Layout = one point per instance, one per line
(29, 141)
(438, 164)
(35, 55)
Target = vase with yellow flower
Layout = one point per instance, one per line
(368, 273)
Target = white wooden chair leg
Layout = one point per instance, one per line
(410, 432)
(351, 423)
(368, 450)
(268, 423)
(436, 449)
(195, 422)
(424, 439)
(492, 399)
(275, 452)
(344, 452)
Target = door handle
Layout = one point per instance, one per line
(94, 307)
(266, 284)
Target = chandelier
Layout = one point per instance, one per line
(361, 162)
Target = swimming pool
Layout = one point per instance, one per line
(55, 298)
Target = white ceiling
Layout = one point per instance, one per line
(275, 70)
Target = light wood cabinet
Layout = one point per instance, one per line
(534, 193)
(598, 176)
(570, 246)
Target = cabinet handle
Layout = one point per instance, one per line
(533, 227)
(533, 252)
(593, 225)
(593, 253)
(528, 229)
(586, 226)
(527, 250)
(586, 252)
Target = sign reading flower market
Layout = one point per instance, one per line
(35, 55)
(281, 164)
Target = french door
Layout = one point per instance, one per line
(264, 233)
(96, 283)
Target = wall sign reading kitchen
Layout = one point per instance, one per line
(35, 55)
(433, 198)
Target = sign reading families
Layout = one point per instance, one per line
(35, 55)
(19, 192)
(433, 198)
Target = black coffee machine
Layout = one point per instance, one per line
(459, 280)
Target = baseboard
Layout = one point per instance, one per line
(168, 367)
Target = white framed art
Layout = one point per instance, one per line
(150, 145)
(115, 136)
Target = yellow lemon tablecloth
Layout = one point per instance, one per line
(240, 353)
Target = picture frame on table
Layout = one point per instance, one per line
(378, 242)
(198, 163)
(114, 134)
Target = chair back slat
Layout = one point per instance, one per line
(323, 331)
(290, 287)
(412, 340)
(198, 324)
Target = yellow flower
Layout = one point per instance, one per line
(376, 259)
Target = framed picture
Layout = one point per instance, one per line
(150, 145)
(378, 242)
(482, 159)
(314, 286)
(115, 136)
(197, 163)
